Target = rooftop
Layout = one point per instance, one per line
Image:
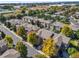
(43, 33)
(11, 53)
(2, 43)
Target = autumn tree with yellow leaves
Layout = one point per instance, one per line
(66, 30)
(49, 47)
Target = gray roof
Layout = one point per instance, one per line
(28, 17)
(43, 33)
(59, 38)
(2, 43)
(57, 13)
(14, 21)
(11, 53)
(77, 13)
(62, 39)
(75, 26)
(39, 19)
(58, 24)
(30, 27)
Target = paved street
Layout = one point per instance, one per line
(31, 51)
(7, 32)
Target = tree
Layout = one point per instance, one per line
(47, 17)
(75, 55)
(13, 28)
(49, 47)
(19, 16)
(9, 7)
(71, 51)
(21, 32)
(38, 23)
(20, 47)
(2, 34)
(2, 18)
(54, 9)
(74, 43)
(12, 16)
(31, 13)
(9, 41)
(8, 24)
(23, 9)
(65, 20)
(31, 37)
(67, 31)
(77, 33)
(17, 12)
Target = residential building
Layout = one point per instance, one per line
(10, 53)
(3, 46)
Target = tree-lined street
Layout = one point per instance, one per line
(31, 51)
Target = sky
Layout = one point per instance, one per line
(31, 1)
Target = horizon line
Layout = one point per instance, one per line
(35, 2)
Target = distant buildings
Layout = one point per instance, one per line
(37, 21)
(39, 8)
